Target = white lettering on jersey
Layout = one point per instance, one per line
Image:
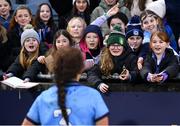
(62, 121)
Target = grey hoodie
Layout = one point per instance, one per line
(103, 8)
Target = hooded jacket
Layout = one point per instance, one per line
(87, 53)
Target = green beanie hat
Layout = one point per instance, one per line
(116, 36)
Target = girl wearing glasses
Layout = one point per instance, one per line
(115, 58)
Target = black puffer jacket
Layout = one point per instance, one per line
(128, 60)
(169, 64)
(16, 68)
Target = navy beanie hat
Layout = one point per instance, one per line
(134, 27)
(94, 29)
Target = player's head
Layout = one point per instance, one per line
(68, 67)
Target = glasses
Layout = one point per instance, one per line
(115, 46)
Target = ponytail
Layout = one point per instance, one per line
(62, 101)
(68, 64)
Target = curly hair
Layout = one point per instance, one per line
(106, 63)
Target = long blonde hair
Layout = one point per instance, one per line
(26, 58)
(106, 62)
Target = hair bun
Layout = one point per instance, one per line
(28, 26)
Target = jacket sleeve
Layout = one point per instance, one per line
(94, 75)
(16, 69)
(132, 67)
(100, 20)
(14, 43)
(147, 68)
(144, 50)
(172, 68)
(33, 71)
(95, 14)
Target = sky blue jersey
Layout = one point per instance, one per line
(84, 106)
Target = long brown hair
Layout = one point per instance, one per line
(141, 4)
(37, 19)
(68, 64)
(106, 63)
(27, 58)
(13, 23)
(58, 33)
(3, 34)
(86, 12)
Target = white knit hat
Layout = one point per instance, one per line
(158, 7)
(75, 0)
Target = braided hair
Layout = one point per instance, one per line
(68, 64)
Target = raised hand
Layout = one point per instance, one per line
(140, 63)
(113, 10)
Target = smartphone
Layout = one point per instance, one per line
(159, 75)
(123, 72)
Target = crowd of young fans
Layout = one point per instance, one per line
(131, 39)
(92, 31)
